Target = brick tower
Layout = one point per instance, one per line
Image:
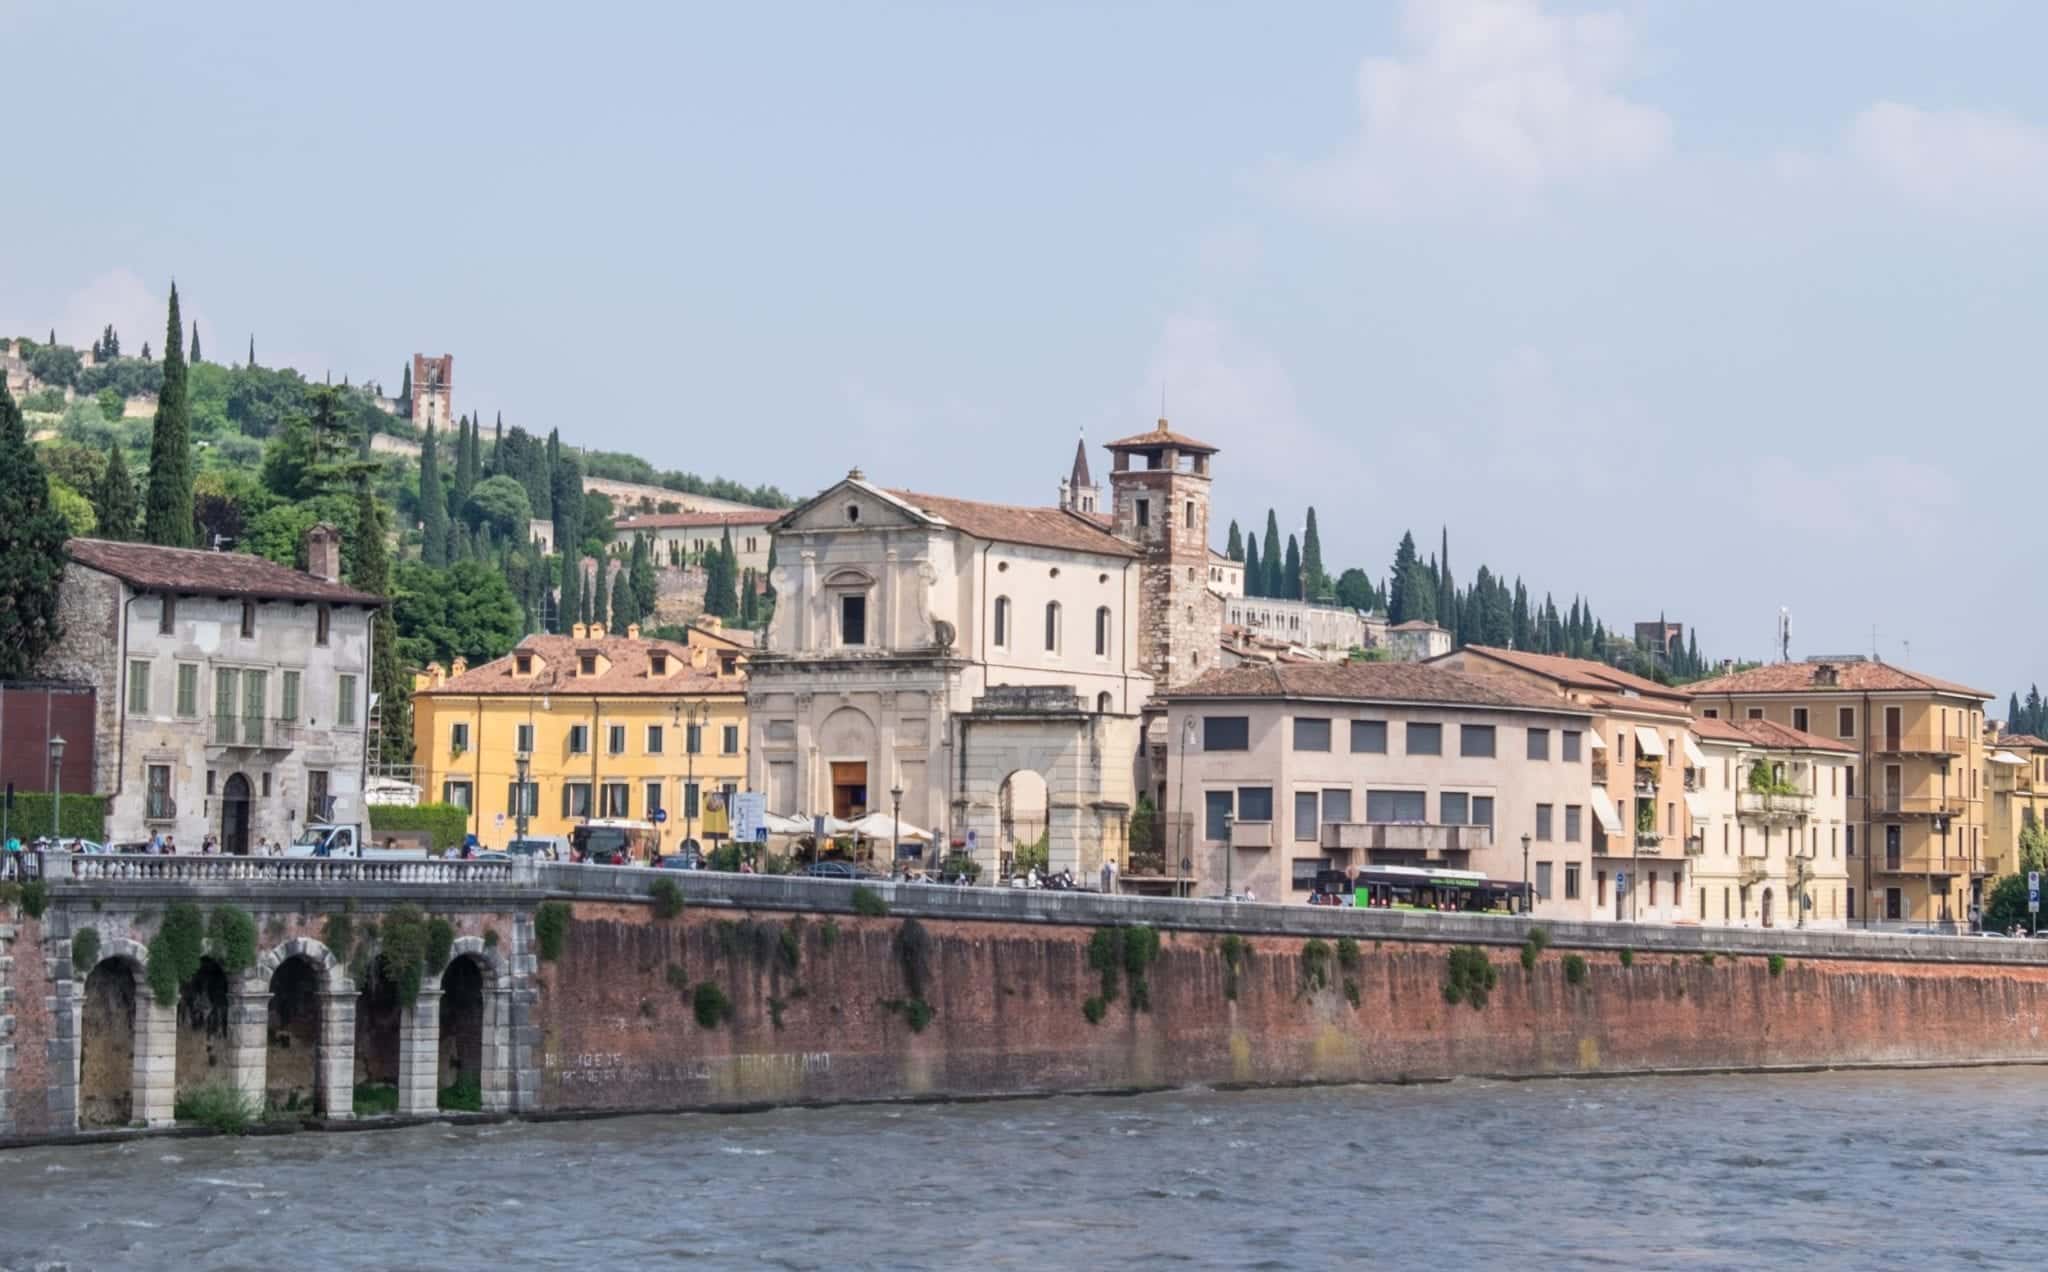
(1160, 481)
(433, 391)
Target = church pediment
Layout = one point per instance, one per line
(852, 504)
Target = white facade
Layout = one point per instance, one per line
(1762, 840)
(1324, 628)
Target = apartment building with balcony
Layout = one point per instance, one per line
(1644, 761)
(586, 725)
(233, 692)
(2016, 797)
(1917, 788)
(1769, 814)
(1299, 767)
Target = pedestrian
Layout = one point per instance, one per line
(170, 845)
(11, 868)
(1109, 875)
(155, 844)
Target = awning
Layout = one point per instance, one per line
(1603, 809)
(1648, 743)
(1693, 756)
(1696, 806)
(2006, 757)
(1599, 743)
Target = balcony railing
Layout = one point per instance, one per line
(1428, 838)
(1923, 743)
(1772, 804)
(1892, 804)
(254, 732)
(1599, 771)
(1923, 863)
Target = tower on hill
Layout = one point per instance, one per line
(433, 391)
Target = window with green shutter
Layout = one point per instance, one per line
(289, 708)
(138, 688)
(255, 696)
(227, 685)
(345, 708)
(188, 690)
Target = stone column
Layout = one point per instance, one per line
(419, 1055)
(248, 1043)
(496, 1062)
(806, 632)
(337, 1054)
(156, 1060)
(890, 590)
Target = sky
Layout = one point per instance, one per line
(1700, 307)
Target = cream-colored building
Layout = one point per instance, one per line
(1917, 788)
(1769, 816)
(1325, 629)
(682, 538)
(2016, 778)
(1226, 577)
(1299, 767)
(1642, 754)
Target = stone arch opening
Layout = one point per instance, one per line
(1021, 805)
(205, 1041)
(107, 1044)
(460, 1067)
(291, 1058)
(379, 1015)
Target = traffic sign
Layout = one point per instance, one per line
(749, 816)
(660, 816)
(2033, 892)
(971, 837)
(1621, 883)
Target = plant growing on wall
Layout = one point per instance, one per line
(175, 951)
(550, 928)
(1347, 953)
(231, 934)
(35, 898)
(1236, 952)
(402, 951)
(1574, 969)
(85, 950)
(710, 1005)
(1777, 964)
(668, 898)
(1315, 964)
(440, 944)
(868, 903)
(1471, 977)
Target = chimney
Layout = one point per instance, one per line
(577, 631)
(597, 631)
(323, 552)
(430, 678)
(632, 631)
(461, 665)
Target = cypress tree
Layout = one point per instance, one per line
(371, 573)
(1315, 582)
(466, 462)
(113, 498)
(433, 503)
(750, 604)
(461, 547)
(600, 597)
(252, 350)
(498, 446)
(1275, 582)
(1235, 548)
(622, 602)
(641, 571)
(1290, 573)
(32, 535)
(196, 359)
(1446, 587)
(167, 517)
(1693, 666)
(1254, 573)
(405, 391)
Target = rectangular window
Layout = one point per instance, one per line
(575, 799)
(1304, 871)
(652, 791)
(1226, 733)
(1894, 904)
(1216, 806)
(158, 806)
(167, 616)
(1336, 807)
(522, 800)
(1369, 737)
(249, 619)
(586, 664)
(1849, 841)
(1397, 806)
(523, 738)
(458, 736)
(1850, 897)
(1574, 822)
(1845, 723)
(255, 702)
(691, 800)
(615, 739)
(729, 740)
(579, 739)
(323, 622)
(1255, 803)
(1475, 741)
(345, 701)
(1453, 807)
(318, 805)
(1543, 881)
(138, 687)
(456, 793)
(654, 739)
(1306, 806)
(266, 783)
(211, 778)
(1190, 514)
(1144, 508)
(1539, 744)
(227, 691)
(188, 690)
(1425, 739)
(1572, 738)
(290, 708)
(1102, 632)
(1799, 718)
(1543, 818)
(1052, 629)
(1756, 713)
(693, 739)
(1311, 734)
(616, 801)
(1482, 810)
(853, 620)
(1571, 881)
(657, 663)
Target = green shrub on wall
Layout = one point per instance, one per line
(445, 823)
(83, 817)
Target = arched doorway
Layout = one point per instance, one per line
(106, 1045)
(234, 816)
(1767, 907)
(203, 1036)
(1020, 819)
(461, 1063)
(291, 1060)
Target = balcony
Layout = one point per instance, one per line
(1772, 806)
(1696, 844)
(1599, 771)
(1928, 743)
(1752, 872)
(252, 733)
(1251, 834)
(1648, 775)
(1431, 840)
(1919, 863)
(1893, 804)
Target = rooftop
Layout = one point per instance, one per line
(1374, 682)
(1159, 437)
(194, 572)
(692, 520)
(1862, 675)
(628, 671)
(1007, 523)
(1771, 736)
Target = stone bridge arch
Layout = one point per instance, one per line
(301, 1005)
(123, 1065)
(1086, 759)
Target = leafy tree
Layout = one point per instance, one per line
(2006, 905)
(465, 610)
(433, 501)
(223, 502)
(288, 459)
(596, 523)
(1409, 596)
(500, 503)
(167, 512)
(56, 364)
(109, 346)
(75, 508)
(1354, 590)
(1314, 582)
(110, 403)
(1234, 549)
(1275, 581)
(32, 535)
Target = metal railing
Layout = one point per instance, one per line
(261, 732)
(1773, 804)
(1891, 803)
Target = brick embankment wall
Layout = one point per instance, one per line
(618, 1025)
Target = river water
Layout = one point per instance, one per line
(1939, 1168)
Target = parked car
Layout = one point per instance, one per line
(680, 861)
(841, 870)
(546, 847)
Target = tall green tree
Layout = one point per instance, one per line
(498, 446)
(465, 462)
(113, 497)
(32, 534)
(1354, 590)
(167, 513)
(196, 359)
(1254, 572)
(641, 570)
(404, 390)
(252, 350)
(750, 604)
(1290, 573)
(1275, 582)
(623, 614)
(1315, 583)
(600, 596)
(1235, 548)
(433, 503)
(1411, 590)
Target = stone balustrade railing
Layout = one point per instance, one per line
(97, 867)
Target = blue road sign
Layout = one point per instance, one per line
(1621, 883)
(660, 816)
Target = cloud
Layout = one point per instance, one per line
(1906, 507)
(1954, 160)
(1496, 98)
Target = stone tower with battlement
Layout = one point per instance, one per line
(1160, 484)
(433, 391)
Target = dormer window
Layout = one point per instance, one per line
(657, 663)
(727, 663)
(586, 664)
(522, 664)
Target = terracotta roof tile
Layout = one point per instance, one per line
(1375, 682)
(695, 520)
(1006, 523)
(1769, 734)
(556, 662)
(157, 569)
(2022, 739)
(1860, 676)
(1160, 436)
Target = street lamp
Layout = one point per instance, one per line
(694, 716)
(56, 786)
(1229, 856)
(1180, 800)
(1527, 899)
(524, 761)
(895, 823)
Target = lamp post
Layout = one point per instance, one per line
(1528, 900)
(1229, 856)
(694, 715)
(56, 786)
(524, 762)
(1180, 800)
(895, 824)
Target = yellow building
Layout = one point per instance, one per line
(1919, 857)
(606, 726)
(2018, 767)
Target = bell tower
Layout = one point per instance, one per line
(1160, 484)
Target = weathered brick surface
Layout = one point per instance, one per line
(38, 1084)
